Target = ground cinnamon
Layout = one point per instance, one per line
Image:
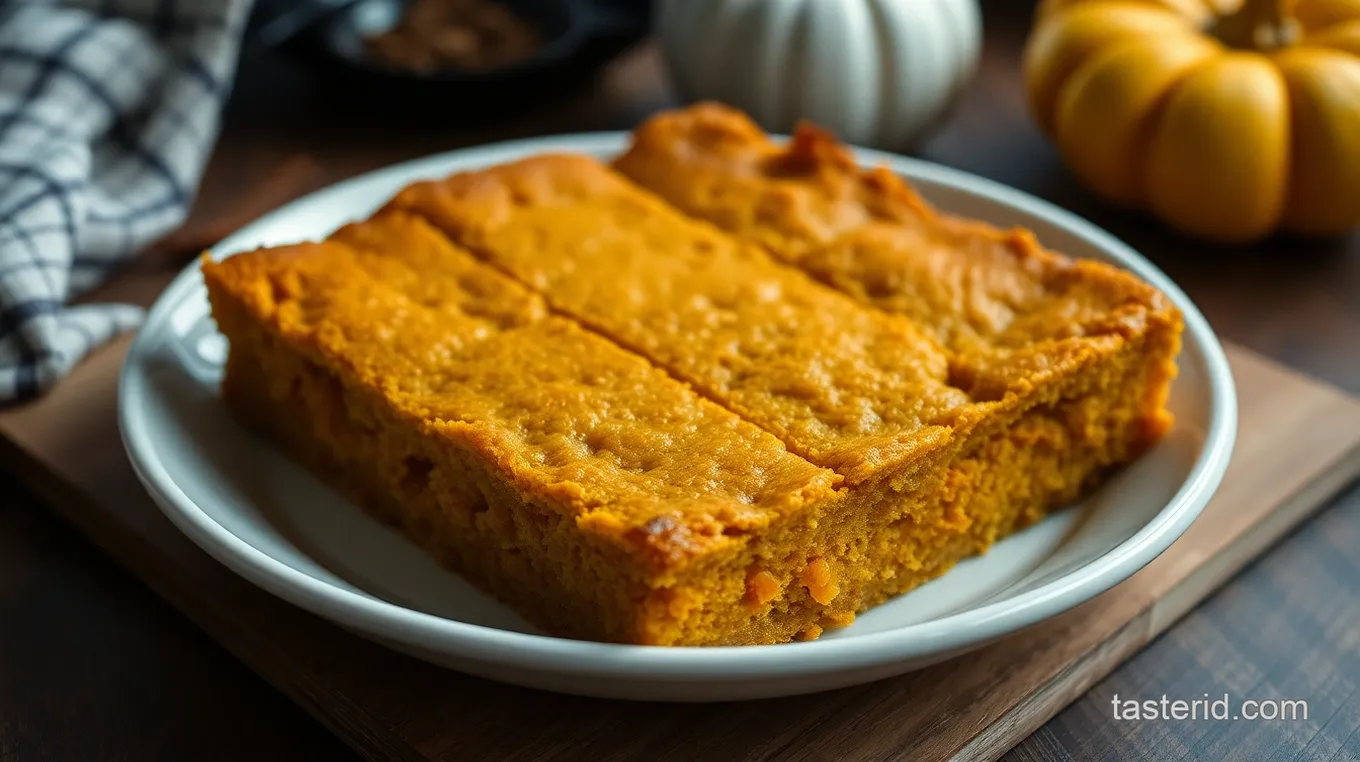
(454, 34)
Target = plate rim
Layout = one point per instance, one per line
(961, 630)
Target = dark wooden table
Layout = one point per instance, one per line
(93, 666)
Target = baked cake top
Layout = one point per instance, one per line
(393, 309)
(865, 231)
(680, 381)
(847, 386)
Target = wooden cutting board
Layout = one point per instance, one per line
(1299, 442)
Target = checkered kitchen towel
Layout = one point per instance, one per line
(108, 111)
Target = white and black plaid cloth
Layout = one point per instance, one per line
(108, 111)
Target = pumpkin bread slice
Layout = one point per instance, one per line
(994, 297)
(559, 472)
(964, 447)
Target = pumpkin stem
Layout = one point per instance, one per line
(1259, 25)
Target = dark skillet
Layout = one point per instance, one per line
(579, 38)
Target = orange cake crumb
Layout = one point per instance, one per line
(762, 588)
(816, 577)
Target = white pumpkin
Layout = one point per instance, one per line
(877, 72)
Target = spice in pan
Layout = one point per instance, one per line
(454, 34)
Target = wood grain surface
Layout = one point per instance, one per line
(976, 707)
(93, 666)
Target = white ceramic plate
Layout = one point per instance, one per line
(277, 526)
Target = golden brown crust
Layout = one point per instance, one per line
(640, 420)
(463, 353)
(994, 297)
(848, 387)
(714, 163)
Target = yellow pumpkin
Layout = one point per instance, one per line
(1227, 119)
